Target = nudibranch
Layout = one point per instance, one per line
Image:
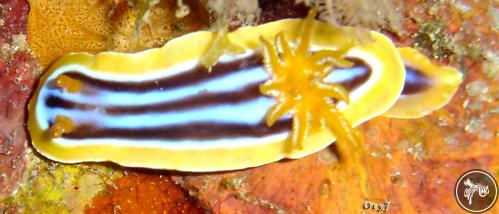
(161, 108)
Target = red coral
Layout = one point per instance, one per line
(143, 193)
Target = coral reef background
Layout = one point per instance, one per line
(414, 163)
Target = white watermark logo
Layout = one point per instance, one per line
(483, 190)
(476, 191)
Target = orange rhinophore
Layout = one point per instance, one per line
(61, 125)
(68, 84)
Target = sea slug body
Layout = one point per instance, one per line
(162, 109)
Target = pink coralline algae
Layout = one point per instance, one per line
(17, 76)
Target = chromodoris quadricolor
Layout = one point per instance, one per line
(161, 108)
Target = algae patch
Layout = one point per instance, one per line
(51, 187)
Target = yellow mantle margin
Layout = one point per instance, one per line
(190, 47)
